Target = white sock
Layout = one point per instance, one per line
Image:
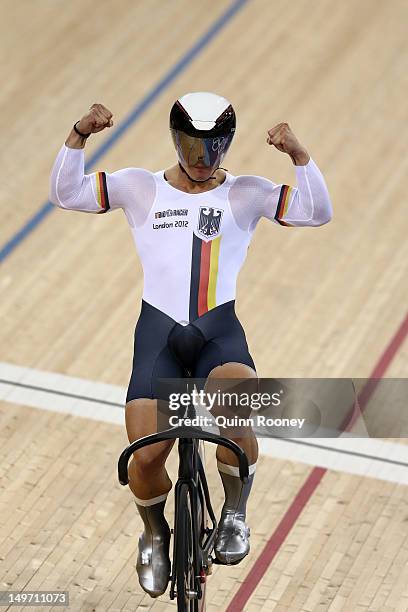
(233, 470)
(152, 501)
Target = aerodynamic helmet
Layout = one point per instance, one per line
(202, 126)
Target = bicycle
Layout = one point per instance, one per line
(193, 539)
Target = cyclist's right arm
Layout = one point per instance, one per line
(98, 192)
(70, 187)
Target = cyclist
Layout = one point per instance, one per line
(192, 224)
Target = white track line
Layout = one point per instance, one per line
(344, 455)
(103, 402)
(61, 393)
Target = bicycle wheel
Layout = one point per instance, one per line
(185, 579)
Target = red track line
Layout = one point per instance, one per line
(290, 517)
(391, 349)
(375, 376)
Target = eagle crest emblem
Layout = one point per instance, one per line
(209, 222)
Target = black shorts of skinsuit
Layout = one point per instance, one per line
(164, 348)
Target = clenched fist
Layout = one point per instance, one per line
(283, 139)
(96, 119)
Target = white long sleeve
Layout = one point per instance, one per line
(307, 204)
(310, 203)
(132, 189)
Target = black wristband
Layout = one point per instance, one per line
(80, 133)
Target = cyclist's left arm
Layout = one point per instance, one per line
(307, 204)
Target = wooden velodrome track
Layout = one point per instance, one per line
(325, 302)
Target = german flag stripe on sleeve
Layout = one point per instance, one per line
(204, 274)
(283, 204)
(102, 192)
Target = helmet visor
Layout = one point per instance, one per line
(207, 151)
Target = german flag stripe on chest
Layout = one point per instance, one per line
(204, 274)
